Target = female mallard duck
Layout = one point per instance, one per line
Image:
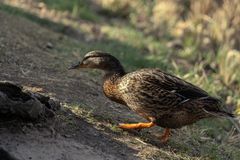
(161, 98)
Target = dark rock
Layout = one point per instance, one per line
(25, 104)
(5, 155)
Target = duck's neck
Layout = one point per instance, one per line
(110, 89)
(114, 74)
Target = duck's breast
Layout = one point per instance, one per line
(111, 91)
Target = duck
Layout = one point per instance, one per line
(161, 98)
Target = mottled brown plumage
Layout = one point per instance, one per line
(161, 98)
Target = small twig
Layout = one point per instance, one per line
(25, 73)
(228, 134)
(140, 141)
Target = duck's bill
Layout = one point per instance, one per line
(75, 66)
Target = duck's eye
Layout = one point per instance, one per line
(84, 62)
(90, 62)
(87, 61)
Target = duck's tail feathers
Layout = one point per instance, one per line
(214, 107)
(220, 113)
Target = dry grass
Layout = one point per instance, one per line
(228, 66)
(160, 21)
(115, 7)
(218, 21)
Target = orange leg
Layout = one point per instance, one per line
(136, 126)
(166, 134)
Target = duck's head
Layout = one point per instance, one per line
(99, 60)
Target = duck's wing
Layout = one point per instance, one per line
(154, 88)
(174, 84)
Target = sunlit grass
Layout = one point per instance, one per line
(77, 8)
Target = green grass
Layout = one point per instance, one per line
(77, 8)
